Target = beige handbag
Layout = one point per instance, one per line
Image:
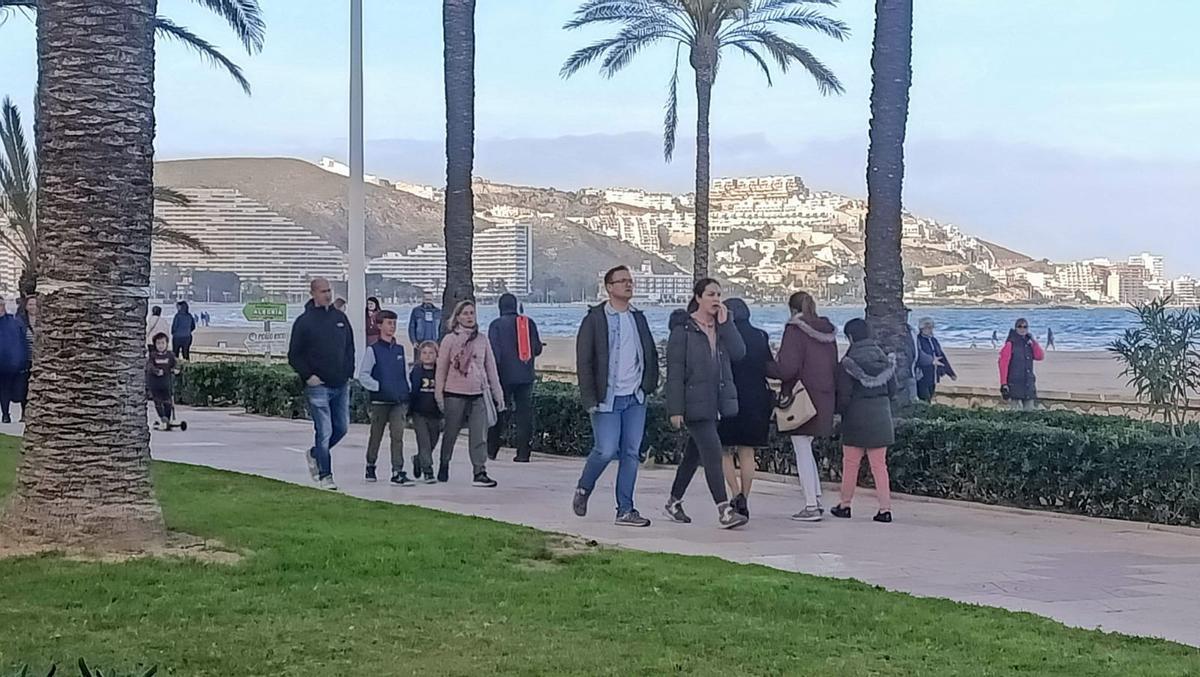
(794, 410)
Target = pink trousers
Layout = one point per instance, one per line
(851, 460)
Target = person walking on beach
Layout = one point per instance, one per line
(321, 352)
(384, 374)
(995, 339)
(700, 392)
(809, 355)
(156, 324)
(182, 328)
(1018, 383)
(750, 428)
(1049, 338)
(373, 318)
(468, 391)
(424, 323)
(616, 363)
(866, 386)
(933, 355)
(515, 342)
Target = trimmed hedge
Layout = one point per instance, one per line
(1100, 466)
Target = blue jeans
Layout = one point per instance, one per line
(618, 435)
(329, 409)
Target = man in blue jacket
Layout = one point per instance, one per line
(515, 343)
(384, 374)
(322, 353)
(424, 324)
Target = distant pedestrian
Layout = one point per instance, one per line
(207, 318)
(182, 328)
(616, 364)
(384, 374)
(156, 324)
(939, 365)
(426, 415)
(321, 352)
(468, 391)
(161, 368)
(1049, 338)
(425, 322)
(515, 343)
(995, 339)
(28, 314)
(1018, 383)
(750, 428)
(701, 391)
(373, 310)
(866, 386)
(14, 358)
(808, 355)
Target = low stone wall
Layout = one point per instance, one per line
(1085, 403)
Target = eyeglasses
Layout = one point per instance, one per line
(624, 280)
(1022, 326)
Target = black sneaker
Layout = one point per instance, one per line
(371, 473)
(884, 516)
(429, 479)
(482, 480)
(675, 513)
(840, 511)
(631, 519)
(730, 518)
(400, 479)
(579, 502)
(740, 505)
(520, 459)
(6, 419)
(443, 473)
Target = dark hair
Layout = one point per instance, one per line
(372, 299)
(156, 311)
(803, 303)
(162, 336)
(1020, 321)
(387, 315)
(698, 291)
(608, 276)
(858, 330)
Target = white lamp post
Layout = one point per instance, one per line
(356, 304)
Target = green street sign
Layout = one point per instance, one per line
(265, 311)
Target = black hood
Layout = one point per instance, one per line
(679, 318)
(183, 308)
(508, 304)
(738, 310)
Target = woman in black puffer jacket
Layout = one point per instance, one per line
(700, 391)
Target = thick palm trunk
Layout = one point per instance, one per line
(85, 476)
(704, 83)
(891, 64)
(458, 25)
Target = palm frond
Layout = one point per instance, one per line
(785, 53)
(615, 11)
(629, 42)
(171, 196)
(671, 119)
(806, 18)
(163, 232)
(17, 189)
(245, 17)
(585, 55)
(757, 58)
(168, 28)
(770, 5)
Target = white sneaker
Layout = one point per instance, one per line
(313, 469)
(809, 514)
(328, 485)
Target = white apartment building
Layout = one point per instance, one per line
(502, 260)
(1151, 262)
(778, 187)
(1185, 291)
(247, 238)
(635, 197)
(652, 287)
(1086, 277)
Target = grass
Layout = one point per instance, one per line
(337, 586)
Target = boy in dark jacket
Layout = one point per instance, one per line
(160, 381)
(426, 416)
(515, 343)
(383, 374)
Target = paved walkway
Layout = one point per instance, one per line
(1086, 573)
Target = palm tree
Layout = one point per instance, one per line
(243, 16)
(891, 78)
(84, 478)
(705, 28)
(458, 28)
(18, 204)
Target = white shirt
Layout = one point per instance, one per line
(629, 367)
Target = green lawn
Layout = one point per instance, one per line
(338, 586)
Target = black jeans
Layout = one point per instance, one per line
(183, 347)
(703, 448)
(10, 386)
(926, 388)
(520, 398)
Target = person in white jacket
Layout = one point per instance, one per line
(156, 324)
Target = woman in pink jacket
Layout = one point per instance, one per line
(1018, 383)
(467, 390)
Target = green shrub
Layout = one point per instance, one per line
(85, 671)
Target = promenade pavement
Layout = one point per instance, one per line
(1087, 573)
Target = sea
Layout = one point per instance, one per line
(1081, 329)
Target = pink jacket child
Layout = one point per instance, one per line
(466, 366)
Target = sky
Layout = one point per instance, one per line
(1060, 128)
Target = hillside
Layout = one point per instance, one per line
(398, 221)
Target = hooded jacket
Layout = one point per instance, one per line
(809, 354)
(322, 345)
(183, 324)
(700, 385)
(510, 335)
(866, 385)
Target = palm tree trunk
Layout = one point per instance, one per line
(458, 26)
(704, 84)
(84, 479)
(891, 65)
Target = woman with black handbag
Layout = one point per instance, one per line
(808, 356)
(700, 392)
